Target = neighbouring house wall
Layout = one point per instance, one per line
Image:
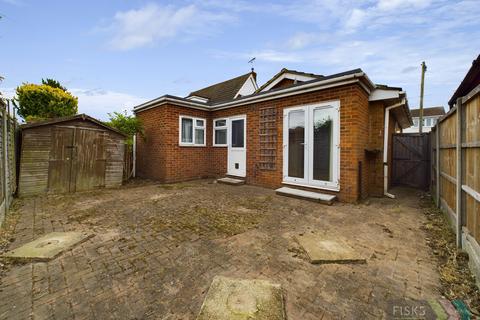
(160, 157)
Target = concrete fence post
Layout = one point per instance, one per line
(437, 164)
(458, 209)
(5, 159)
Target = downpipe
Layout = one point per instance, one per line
(385, 148)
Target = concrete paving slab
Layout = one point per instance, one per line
(323, 249)
(48, 246)
(240, 299)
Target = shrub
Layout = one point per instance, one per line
(44, 101)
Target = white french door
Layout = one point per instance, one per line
(311, 144)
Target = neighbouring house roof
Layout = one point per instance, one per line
(284, 71)
(223, 91)
(471, 80)
(81, 116)
(428, 112)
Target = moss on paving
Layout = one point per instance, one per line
(455, 276)
(7, 231)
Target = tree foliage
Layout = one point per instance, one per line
(129, 125)
(54, 84)
(44, 101)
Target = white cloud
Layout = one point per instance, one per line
(98, 102)
(154, 23)
(396, 4)
(301, 40)
(261, 55)
(357, 17)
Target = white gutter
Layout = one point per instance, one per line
(256, 98)
(385, 147)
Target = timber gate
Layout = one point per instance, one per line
(411, 160)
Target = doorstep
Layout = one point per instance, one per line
(231, 181)
(307, 195)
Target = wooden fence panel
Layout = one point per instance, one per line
(457, 138)
(8, 179)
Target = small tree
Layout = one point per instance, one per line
(44, 101)
(54, 84)
(129, 125)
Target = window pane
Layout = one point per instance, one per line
(187, 130)
(220, 123)
(296, 141)
(415, 122)
(322, 145)
(221, 136)
(199, 136)
(199, 123)
(237, 133)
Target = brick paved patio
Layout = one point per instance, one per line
(157, 248)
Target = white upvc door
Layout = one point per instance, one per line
(311, 144)
(295, 151)
(237, 146)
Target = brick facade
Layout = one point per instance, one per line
(160, 157)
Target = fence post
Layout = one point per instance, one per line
(437, 163)
(134, 155)
(459, 173)
(5, 158)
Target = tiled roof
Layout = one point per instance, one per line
(285, 70)
(428, 112)
(222, 91)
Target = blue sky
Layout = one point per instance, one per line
(116, 54)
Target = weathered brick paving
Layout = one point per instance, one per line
(156, 250)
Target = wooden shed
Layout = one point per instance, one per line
(70, 154)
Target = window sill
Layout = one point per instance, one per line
(192, 145)
(220, 145)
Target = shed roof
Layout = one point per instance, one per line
(223, 91)
(471, 80)
(81, 116)
(429, 112)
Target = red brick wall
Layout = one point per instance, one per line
(182, 163)
(375, 144)
(160, 156)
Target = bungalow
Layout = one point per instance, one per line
(325, 134)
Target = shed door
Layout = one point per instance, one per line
(90, 159)
(77, 159)
(60, 162)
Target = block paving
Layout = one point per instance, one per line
(157, 249)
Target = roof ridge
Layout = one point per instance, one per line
(219, 83)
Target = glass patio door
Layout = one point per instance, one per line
(296, 146)
(311, 145)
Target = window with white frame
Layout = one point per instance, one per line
(220, 132)
(192, 131)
